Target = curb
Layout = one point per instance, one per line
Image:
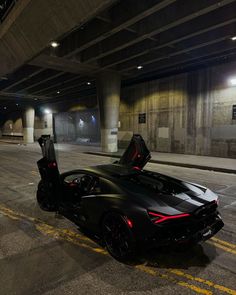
(201, 167)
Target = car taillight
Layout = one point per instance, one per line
(158, 218)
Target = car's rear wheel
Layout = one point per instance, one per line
(44, 198)
(118, 237)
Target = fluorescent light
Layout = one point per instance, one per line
(139, 67)
(47, 111)
(54, 44)
(232, 81)
(233, 38)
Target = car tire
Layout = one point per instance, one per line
(118, 237)
(44, 198)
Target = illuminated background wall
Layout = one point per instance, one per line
(188, 113)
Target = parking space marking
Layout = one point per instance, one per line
(80, 240)
(203, 281)
(223, 242)
(222, 247)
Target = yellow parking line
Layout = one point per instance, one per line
(223, 242)
(152, 272)
(222, 247)
(77, 239)
(203, 281)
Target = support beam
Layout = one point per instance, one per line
(28, 125)
(62, 64)
(169, 52)
(120, 18)
(201, 25)
(108, 87)
(201, 56)
(49, 20)
(169, 17)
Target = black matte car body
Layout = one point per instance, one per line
(128, 206)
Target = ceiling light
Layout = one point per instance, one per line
(233, 38)
(5, 108)
(54, 44)
(47, 111)
(58, 92)
(139, 67)
(17, 104)
(232, 81)
(88, 83)
(35, 99)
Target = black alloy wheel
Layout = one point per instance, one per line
(118, 237)
(43, 198)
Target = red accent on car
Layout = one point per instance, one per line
(52, 165)
(129, 222)
(136, 168)
(158, 218)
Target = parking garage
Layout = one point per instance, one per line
(91, 74)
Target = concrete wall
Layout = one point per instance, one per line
(189, 113)
(12, 126)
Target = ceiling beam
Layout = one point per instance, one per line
(49, 20)
(177, 60)
(180, 48)
(99, 29)
(169, 17)
(50, 87)
(21, 95)
(196, 27)
(62, 64)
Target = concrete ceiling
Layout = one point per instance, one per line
(164, 37)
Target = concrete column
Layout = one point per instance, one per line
(28, 125)
(108, 87)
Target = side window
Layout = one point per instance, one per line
(75, 178)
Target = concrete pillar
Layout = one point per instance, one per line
(28, 125)
(108, 87)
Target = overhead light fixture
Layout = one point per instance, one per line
(58, 92)
(47, 111)
(88, 83)
(17, 104)
(139, 67)
(35, 99)
(5, 108)
(54, 44)
(232, 81)
(233, 38)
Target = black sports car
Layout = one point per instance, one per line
(125, 205)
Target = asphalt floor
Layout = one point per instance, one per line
(43, 254)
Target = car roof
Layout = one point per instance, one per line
(112, 170)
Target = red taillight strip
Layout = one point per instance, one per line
(164, 218)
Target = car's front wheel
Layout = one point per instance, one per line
(118, 237)
(44, 197)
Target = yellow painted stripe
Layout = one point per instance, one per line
(172, 279)
(203, 281)
(77, 239)
(222, 247)
(223, 242)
